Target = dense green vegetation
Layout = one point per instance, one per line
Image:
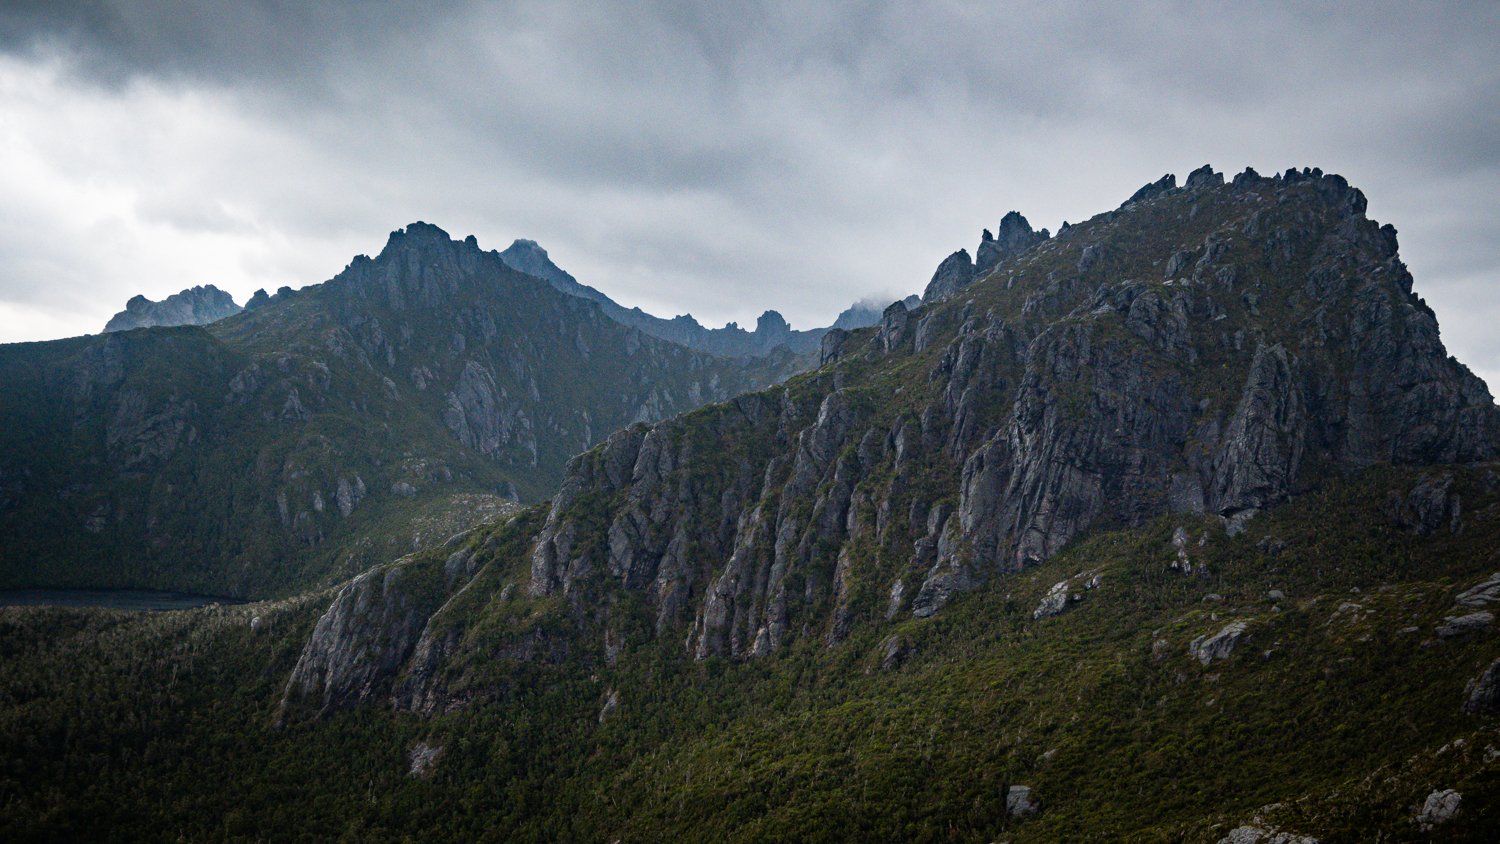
(1341, 707)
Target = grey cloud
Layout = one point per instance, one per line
(726, 158)
(255, 40)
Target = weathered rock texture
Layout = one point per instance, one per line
(1250, 834)
(1483, 692)
(1439, 808)
(361, 640)
(958, 271)
(1219, 645)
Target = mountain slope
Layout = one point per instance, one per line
(1340, 708)
(300, 440)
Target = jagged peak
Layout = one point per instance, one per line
(1204, 176)
(525, 245)
(423, 229)
(197, 305)
(772, 322)
(1333, 188)
(1152, 189)
(414, 235)
(1013, 237)
(953, 274)
(1013, 222)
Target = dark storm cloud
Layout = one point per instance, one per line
(710, 157)
(260, 40)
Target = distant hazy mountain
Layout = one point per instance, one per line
(771, 329)
(867, 312)
(194, 306)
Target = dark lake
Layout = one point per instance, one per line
(119, 599)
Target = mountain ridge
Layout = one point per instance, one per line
(198, 456)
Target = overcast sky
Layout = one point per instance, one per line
(718, 159)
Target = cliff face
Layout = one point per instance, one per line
(1234, 344)
(326, 429)
(194, 306)
(1213, 349)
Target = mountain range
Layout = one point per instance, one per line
(1176, 525)
(300, 439)
(205, 304)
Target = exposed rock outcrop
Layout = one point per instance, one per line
(952, 275)
(1020, 801)
(1429, 506)
(1061, 595)
(1013, 237)
(1153, 189)
(1252, 834)
(1262, 445)
(1483, 692)
(1439, 808)
(1077, 407)
(359, 643)
(1463, 625)
(423, 758)
(1210, 647)
(866, 312)
(1481, 594)
(195, 306)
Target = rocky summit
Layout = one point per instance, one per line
(194, 306)
(1176, 525)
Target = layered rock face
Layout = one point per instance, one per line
(1212, 349)
(194, 306)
